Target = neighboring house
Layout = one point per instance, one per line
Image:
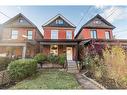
(59, 37)
(19, 37)
(96, 28)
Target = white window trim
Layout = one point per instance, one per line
(29, 35)
(92, 34)
(56, 37)
(68, 31)
(108, 35)
(13, 35)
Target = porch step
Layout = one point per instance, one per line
(72, 67)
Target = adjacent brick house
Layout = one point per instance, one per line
(97, 34)
(19, 37)
(59, 37)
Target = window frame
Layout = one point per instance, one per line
(20, 20)
(93, 34)
(29, 35)
(58, 21)
(14, 35)
(68, 31)
(54, 36)
(108, 35)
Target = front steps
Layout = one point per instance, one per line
(72, 67)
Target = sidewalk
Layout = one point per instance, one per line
(85, 83)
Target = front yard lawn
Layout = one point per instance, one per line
(49, 79)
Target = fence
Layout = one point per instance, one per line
(4, 77)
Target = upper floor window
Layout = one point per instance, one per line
(97, 22)
(59, 21)
(20, 20)
(68, 34)
(29, 35)
(14, 34)
(54, 34)
(93, 34)
(107, 35)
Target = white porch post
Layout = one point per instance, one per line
(24, 52)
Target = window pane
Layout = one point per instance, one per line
(54, 34)
(68, 35)
(59, 21)
(93, 34)
(29, 35)
(107, 35)
(14, 34)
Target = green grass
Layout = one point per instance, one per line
(49, 79)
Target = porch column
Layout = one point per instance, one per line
(77, 51)
(24, 52)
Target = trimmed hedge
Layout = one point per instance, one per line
(4, 61)
(22, 68)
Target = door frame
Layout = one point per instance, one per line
(71, 58)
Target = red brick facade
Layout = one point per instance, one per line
(85, 33)
(61, 32)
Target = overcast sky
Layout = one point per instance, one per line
(78, 15)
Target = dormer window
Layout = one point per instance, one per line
(20, 20)
(59, 21)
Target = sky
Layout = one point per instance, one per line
(78, 15)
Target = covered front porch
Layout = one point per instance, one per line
(70, 48)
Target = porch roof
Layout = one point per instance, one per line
(59, 42)
(104, 41)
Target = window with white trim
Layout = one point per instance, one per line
(93, 34)
(54, 34)
(29, 35)
(68, 34)
(107, 35)
(59, 21)
(14, 34)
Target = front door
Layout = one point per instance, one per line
(69, 53)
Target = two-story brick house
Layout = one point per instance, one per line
(59, 37)
(19, 37)
(96, 34)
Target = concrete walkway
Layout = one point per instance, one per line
(85, 83)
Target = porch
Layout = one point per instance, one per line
(17, 50)
(58, 47)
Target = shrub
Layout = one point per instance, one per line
(40, 58)
(4, 61)
(53, 58)
(22, 68)
(116, 66)
(62, 59)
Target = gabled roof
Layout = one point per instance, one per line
(58, 16)
(18, 24)
(104, 25)
(29, 23)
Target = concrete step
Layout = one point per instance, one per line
(72, 67)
